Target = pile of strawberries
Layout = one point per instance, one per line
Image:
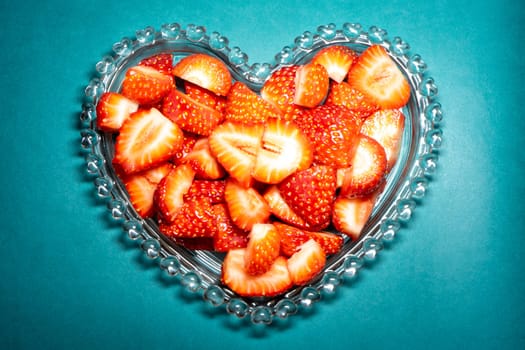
(262, 176)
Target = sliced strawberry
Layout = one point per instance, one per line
(262, 249)
(330, 242)
(337, 60)
(213, 189)
(235, 146)
(244, 106)
(146, 85)
(291, 238)
(306, 263)
(169, 196)
(245, 205)
(378, 77)
(279, 89)
(386, 127)
(310, 194)
(311, 85)
(284, 149)
(332, 130)
(141, 188)
(188, 142)
(205, 71)
(163, 62)
(273, 282)
(112, 109)
(189, 114)
(195, 218)
(343, 94)
(146, 139)
(280, 209)
(351, 214)
(205, 96)
(203, 162)
(228, 235)
(368, 170)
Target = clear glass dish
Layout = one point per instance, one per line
(199, 271)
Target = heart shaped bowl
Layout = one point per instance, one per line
(200, 271)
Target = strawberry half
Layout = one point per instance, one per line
(163, 62)
(169, 196)
(146, 139)
(351, 214)
(146, 85)
(228, 236)
(203, 162)
(378, 77)
(205, 96)
(245, 205)
(112, 109)
(343, 94)
(262, 249)
(205, 71)
(280, 209)
(337, 61)
(195, 218)
(311, 85)
(306, 263)
(273, 282)
(279, 90)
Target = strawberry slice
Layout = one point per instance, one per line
(306, 263)
(205, 96)
(343, 94)
(228, 236)
(273, 282)
(245, 205)
(281, 209)
(195, 218)
(330, 242)
(203, 162)
(213, 189)
(146, 85)
(310, 194)
(368, 170)
(205, 71)
(311, 85)
(337, 61)
(291, 238)
(262, 249)
(279, 90)
(163, 62)
(188, 142)
(283, 150)
(235, 146)
(146, 139)
(386, 127)
(351, 214)
(112, 109)
(245, 106)
(378, 77)
(169, 196)
(189, 114)
(332, 131)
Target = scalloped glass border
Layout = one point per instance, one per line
(199, 271)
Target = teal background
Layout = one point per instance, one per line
(453, 278)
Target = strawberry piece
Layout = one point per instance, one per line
(141, 188)
(343, 94)
(273, 282)
(279, 90)
(205, 71)
(351, 214)
(169, 196)
(146, 85)
(337, 61)
(332, 131)
(281, 209)
(213, 189)
(386, 127)
(245, 205)
(112, 109)
(205, 96)
(262, 249)
(188, 142)
(330, 242)
(228, 236)
(203, 162)
(310, 194)
(245, 106)
(195, 218)
(378, 77)
(311, 85)
(368, 170)
(189, 114)
(306, 263)
(291, 238)
(146, 139)
(283, 150)
(235, 146)
(163, 62)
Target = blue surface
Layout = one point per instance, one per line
(453, 278)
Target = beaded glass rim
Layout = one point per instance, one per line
(199, 271)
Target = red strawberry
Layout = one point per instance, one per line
(245, 205)
(330, 242)
(141, 188)
(378, 77)
(262, 249)
(228, 236)
(343, 94)
(245, 106)
(213, 189)
(310, 194)
(203, 162)
(351, 214)
(368, 170)
(195, 218)
(273, 282)
(279, 89)
(146, 139)
(332, 130)
(306, 263)
(337, 61)
(386, 127)
(189, 114)
(291, 238)
(188, 142)
(284, 149)
(205, 71)
(146, 85)
(235, 146)
(112, 109)
(163, 62)
(169, 196)
(205, 96)
(281, 209)
(311, 85)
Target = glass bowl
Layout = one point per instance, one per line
(199, 271)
